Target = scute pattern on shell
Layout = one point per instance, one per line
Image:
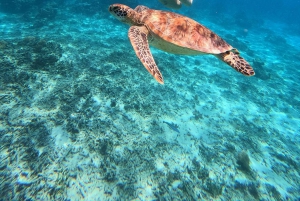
(183, 31)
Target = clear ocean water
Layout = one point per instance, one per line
(82, 119)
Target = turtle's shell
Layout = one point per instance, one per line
(183, 32)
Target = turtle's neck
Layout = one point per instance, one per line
(134, 18)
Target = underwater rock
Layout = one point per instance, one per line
(243, 161)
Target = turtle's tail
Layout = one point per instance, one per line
(234, 60)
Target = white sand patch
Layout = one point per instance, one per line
(61, 137)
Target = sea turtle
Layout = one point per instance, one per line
(175, 34)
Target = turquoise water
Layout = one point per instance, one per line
(82, 119)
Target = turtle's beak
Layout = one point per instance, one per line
(111, 8)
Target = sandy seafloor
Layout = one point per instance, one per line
(81, 119)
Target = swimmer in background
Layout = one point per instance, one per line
(176, 4)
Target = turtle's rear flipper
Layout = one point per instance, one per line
(234, 60)
(138, 36)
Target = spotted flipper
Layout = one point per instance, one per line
(233, 59)
(138, 38)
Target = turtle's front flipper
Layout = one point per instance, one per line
(138, 38)
(234, 60)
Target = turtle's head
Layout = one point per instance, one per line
(123, 13)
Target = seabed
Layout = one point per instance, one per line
(81, 119)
